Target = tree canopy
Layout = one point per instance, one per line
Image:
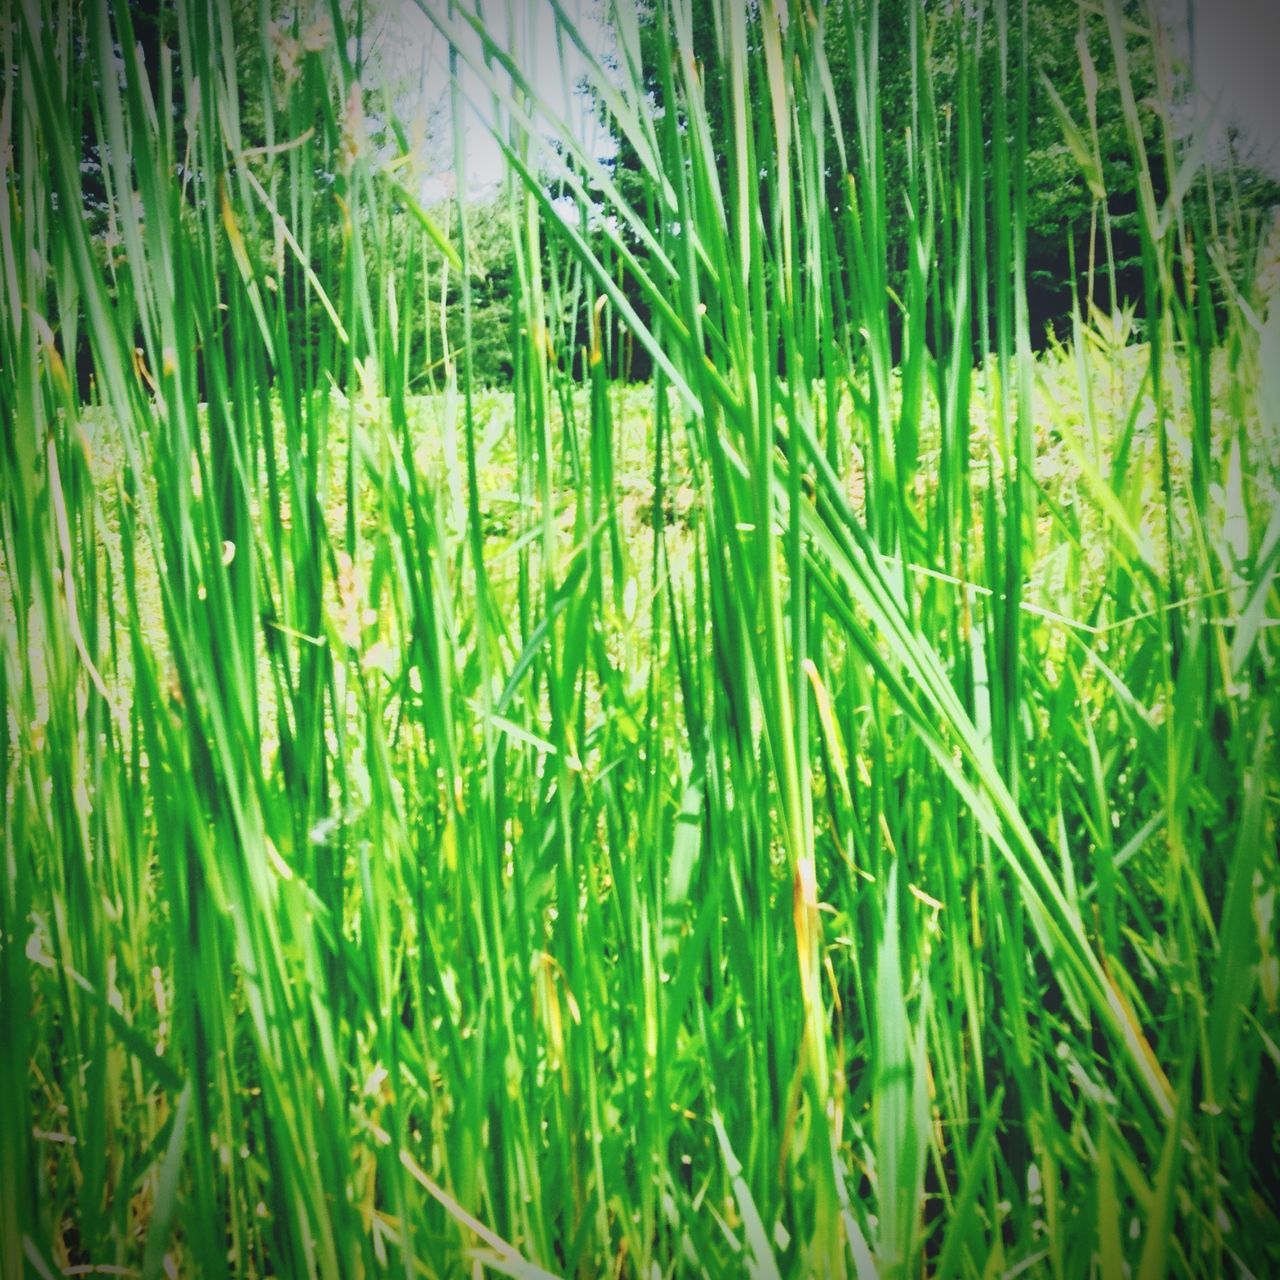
(1067, 183)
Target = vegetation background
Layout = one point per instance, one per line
(708, 712)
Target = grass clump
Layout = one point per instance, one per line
(812, 814)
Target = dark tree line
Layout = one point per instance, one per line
(1079, 242)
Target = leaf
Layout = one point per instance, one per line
(1080, 148)
(763, 1263)
(1235, 972)
(166, 1198)
(1154, 1264)
(962, 1220)
(426, 222)
(1269, 367)
(1110, 1248)
(685, 846)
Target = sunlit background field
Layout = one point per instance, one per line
(688, 690)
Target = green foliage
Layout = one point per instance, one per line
(807, 815)
(1082, 218)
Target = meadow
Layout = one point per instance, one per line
(809, 812)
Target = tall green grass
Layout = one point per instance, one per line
(812, 816)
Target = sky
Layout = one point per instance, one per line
(1235, 49)
(413, 47)
(1237, 67)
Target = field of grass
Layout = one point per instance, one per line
(814, 814)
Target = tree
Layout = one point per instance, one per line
(1082, 212)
